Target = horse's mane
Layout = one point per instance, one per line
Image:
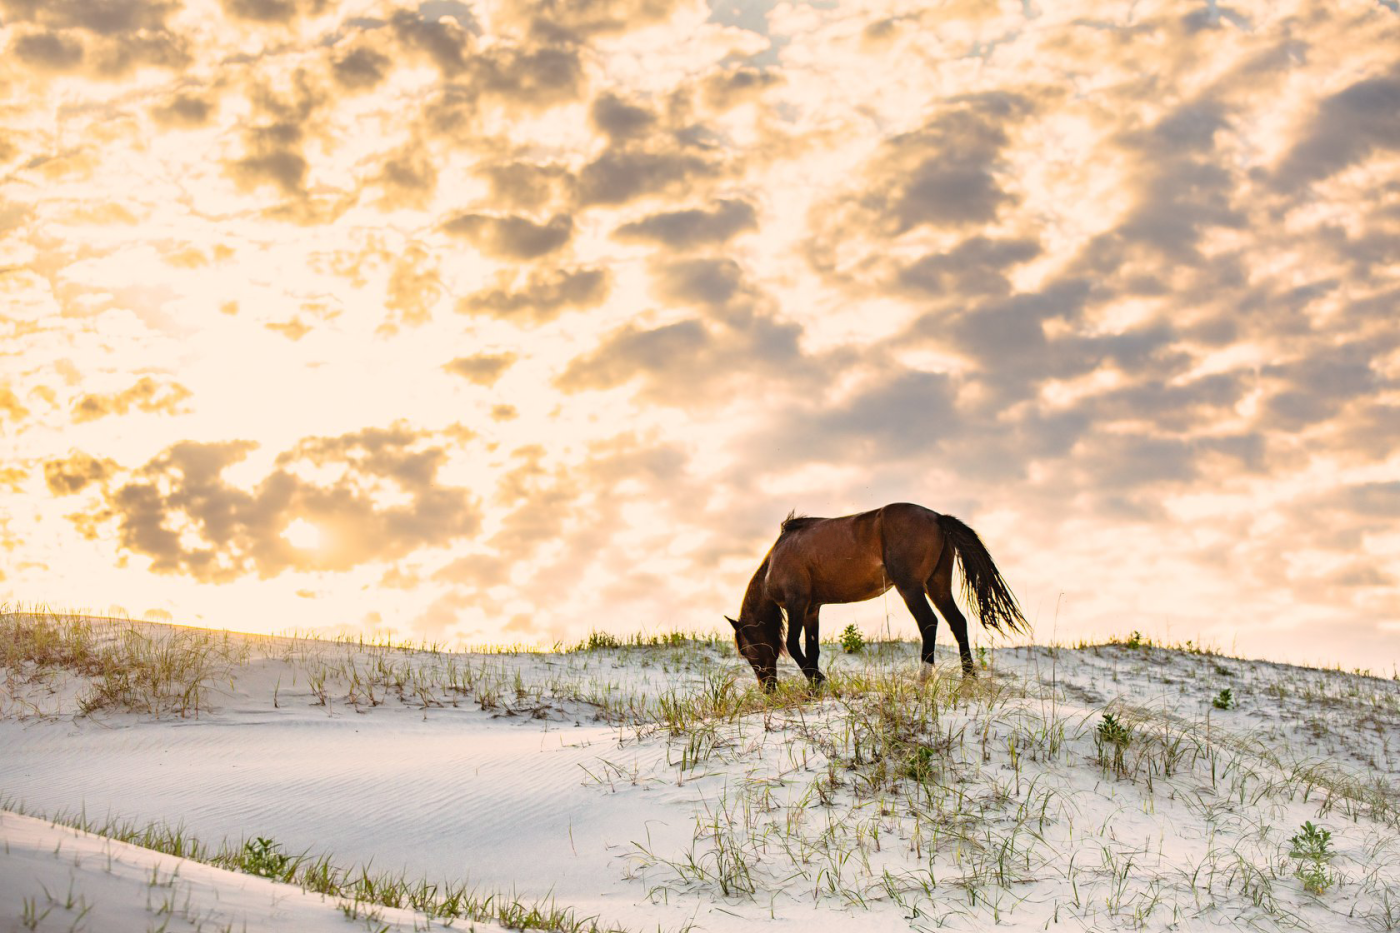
(795, 522)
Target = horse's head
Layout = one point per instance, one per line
(759, 646)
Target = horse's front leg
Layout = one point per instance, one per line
(812, 627)
(796, 615)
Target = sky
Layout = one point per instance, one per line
(514, 320)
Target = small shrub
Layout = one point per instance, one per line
(1135, 640)
(264, 858)
(852, 640)
(1312, 847)
(1113, 737)
(920, 764)
(984, 657)
(1224, 700)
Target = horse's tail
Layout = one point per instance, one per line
(984, 588)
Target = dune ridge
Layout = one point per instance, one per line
(652, 786)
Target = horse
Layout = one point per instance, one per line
(816, 561)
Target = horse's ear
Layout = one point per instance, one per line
(733, 622)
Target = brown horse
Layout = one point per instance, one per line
(857, 557)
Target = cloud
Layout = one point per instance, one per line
(414, 286)
(483, 369)
(385, 502)
(574, 21)
(13, 477)
(542, 296)
(1008, 338)
(1370, 500)
(360, 69)
(120, 56)
(723, 90)
(711, 281)
(690, 363)
(106, 40)
(976, 267)
(272, 161)
(738, 344)
(622, 175)
(184, 111)
(619, 119)
(1179, 407)
(685, 346)
(76, 473)
(575, 513)
(272, 11)
(1347, 128)
(145, 395)
(49, 51)
(443, 41)
(512, 236)
(409, 179)
(692, 228)
(526, 186)
(538, 78)
(1314, 388)
(944, 174)
(274, 147)
(895, 416)
(10, 405)
(109, 17)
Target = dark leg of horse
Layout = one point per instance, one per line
(958, 624)
(940, 590)
(796, 617)
(814, 652)
(928, 622)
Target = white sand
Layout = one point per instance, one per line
(549, 802)
(70, 880)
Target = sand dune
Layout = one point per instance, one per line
(554, 777)
(57, 878)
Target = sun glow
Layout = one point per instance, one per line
(302, 535)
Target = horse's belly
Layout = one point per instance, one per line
(856, 585)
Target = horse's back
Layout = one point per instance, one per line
(903, 518)
(838, 560)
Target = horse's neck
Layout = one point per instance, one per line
(757, 607)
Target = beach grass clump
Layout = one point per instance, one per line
(167, 671)
(36, 642)
(597, 641)
(157, 670)
(606, 641)
(265, 858)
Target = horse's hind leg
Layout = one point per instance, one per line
(913, 596)
(940, 590)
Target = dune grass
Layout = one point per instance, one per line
(358, 890)
(158, 670)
